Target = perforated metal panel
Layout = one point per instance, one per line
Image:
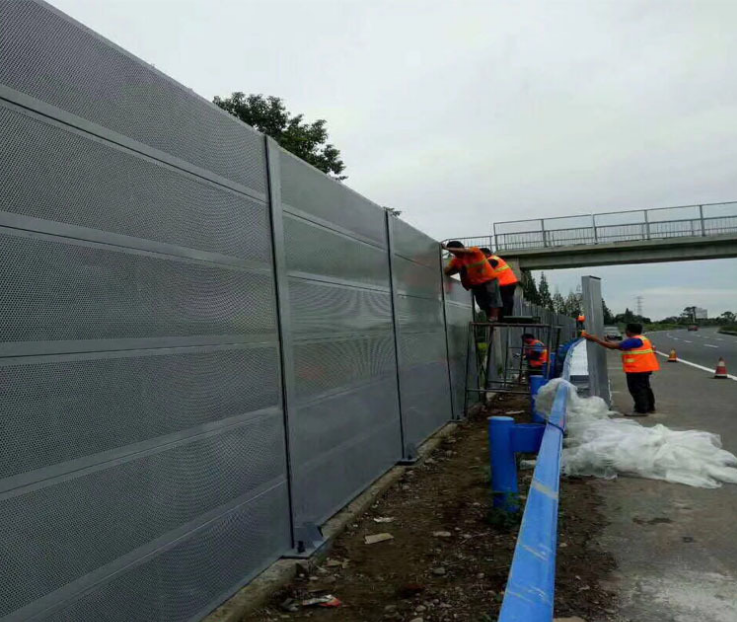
(52, 58)
(143, 469)
(458, 314)
(143, 466)
(421, 338)
(53, 289)
(46, 171)
(344, 423)
(313, 194)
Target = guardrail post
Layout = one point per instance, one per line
(701, 218)
(647, 225)
(503, 464)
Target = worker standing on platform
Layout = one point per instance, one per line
(535, 353)
(639, 361)
(478, 275)
(506, 278)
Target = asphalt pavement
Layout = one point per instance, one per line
(675, 546)
(703, 347)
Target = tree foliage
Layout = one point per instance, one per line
(529, 288)
(546, 300)
(269, 115)
(608, 315)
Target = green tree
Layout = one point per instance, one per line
(269, 115)
(546, 300)
(728, 317)
(608, 315)
(558, 303)
(529, 288)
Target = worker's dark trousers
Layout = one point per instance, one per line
(507, 292)
(639, 387)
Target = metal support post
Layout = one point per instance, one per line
(503, 464)
(701, 218)
(647, 225)
(593, 225)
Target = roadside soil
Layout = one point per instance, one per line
(450, 553)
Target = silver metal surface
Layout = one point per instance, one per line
(421, 339)
(199, 336)
(344, 426)
(596, 355)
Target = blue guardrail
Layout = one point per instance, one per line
(530, 591)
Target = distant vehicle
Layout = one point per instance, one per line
(693, 327)
(612, 333)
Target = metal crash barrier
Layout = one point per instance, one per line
(530, 591)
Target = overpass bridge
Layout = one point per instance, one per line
(680, 233)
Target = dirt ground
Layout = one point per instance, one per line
(450, 553)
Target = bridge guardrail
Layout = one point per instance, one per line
(530, 591)
(628, 226)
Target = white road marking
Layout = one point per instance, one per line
(675, 339)
(708, 345)
(687, 341)
(697, 366)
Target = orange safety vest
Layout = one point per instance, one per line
(539, 362)
(503, 272)
(478, 270)
(642, 360)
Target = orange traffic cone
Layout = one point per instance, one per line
(673, 358)
(721, 371)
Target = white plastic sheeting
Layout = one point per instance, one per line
(600, 443)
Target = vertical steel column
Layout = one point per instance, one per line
(284, 326)
(597, 359)
(701, 218)
(409, 452)
(453, 414)
(647, 226)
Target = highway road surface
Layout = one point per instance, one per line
(675, 546)
(703, 347)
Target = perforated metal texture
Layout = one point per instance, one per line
(344, 443)
(315, 250)
(71, 408)
(325, 309)
(421, 337)
(414, 245)
(344, 424)
(425, 399)
(413, 279)
(458, 318)
(187, 581)
(103, 514)
(47, 170)
(52, 58)
(308, 190)
(56, 289)
(337, 364)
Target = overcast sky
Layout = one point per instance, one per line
(466, 113)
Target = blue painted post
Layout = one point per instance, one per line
(503, 464)
(536, 383)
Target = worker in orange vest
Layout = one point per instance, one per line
(477, 275)
(535, 353)
(506, 278)
(639, 362)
